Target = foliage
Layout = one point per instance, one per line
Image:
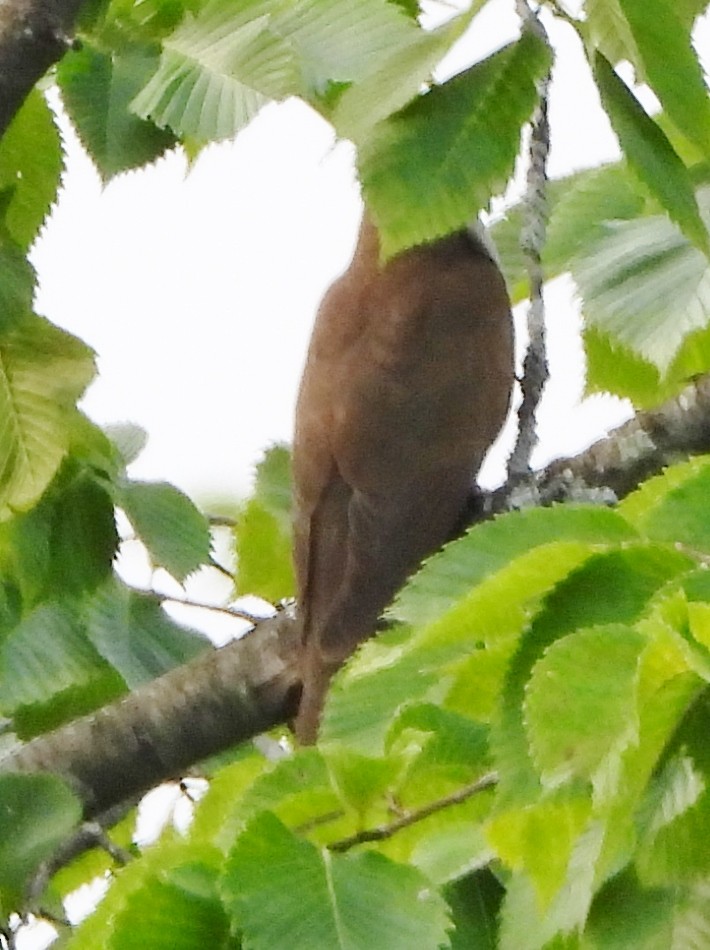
(521, 759)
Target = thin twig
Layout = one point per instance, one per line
(532, 242)
(387, 831)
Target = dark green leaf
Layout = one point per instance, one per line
(671, 65)
(428, 169)
(82, 537)
(175, 533)
(321, 901)
(96, 90)
(30, 167)
(475, 905)
(131, 631)
(178, 911)
(50, 672)
(650, 154)
(37, 812)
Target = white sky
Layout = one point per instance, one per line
(198, 290)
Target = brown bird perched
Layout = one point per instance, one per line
(406, 385)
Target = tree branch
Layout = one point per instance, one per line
(34, 34)
(383, 832)
(246, 687)
(159, 730)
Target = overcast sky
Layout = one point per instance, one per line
(198, 290)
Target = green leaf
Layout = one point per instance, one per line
(488, 547)
(614, 587)
(540, 839)
(321, 900)
(30, 168)
(650, 154)
(673, 506)
(82, 536)
(363, 782)
(179, 910)
(613, 368)
(17, 286)
(97, 89)
(217, 70)
(675, 827)
(575, 719)
(671, 65)
(336, 43)
(128, 438)
(131, 631)
(263, 531)
(396, 81)
(37, 812)
(175, 533)
(43, 371)
(475, 905)
(608, 30)
(50, 672)
(646, 288)
(428, 169)
(626, 915)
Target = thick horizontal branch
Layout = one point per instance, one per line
(34, 34)
(159, 730)
(232, 694)
(642, 447)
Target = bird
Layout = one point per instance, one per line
(407, 383)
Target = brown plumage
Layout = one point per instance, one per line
(406, 385)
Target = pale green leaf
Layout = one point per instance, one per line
(155, 864)
(395, 82)
(322, 901)
(341, 43)
(487, 548)
(97, 89)
(608, 31)
(175, 533)
(613, 368)
(180, 910)
(37, 813)
(217, 70)
(263, 531)
(539, 840)
(43, 371)
(428, 169)
(131, 631)
(671, 66)
(526, 925)
(574, 718)
(129, 439)
(363, 781)
(299, 791)
(650, 154)
(31, 164)
(645, 287)
(628, 577)
(673, 506)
